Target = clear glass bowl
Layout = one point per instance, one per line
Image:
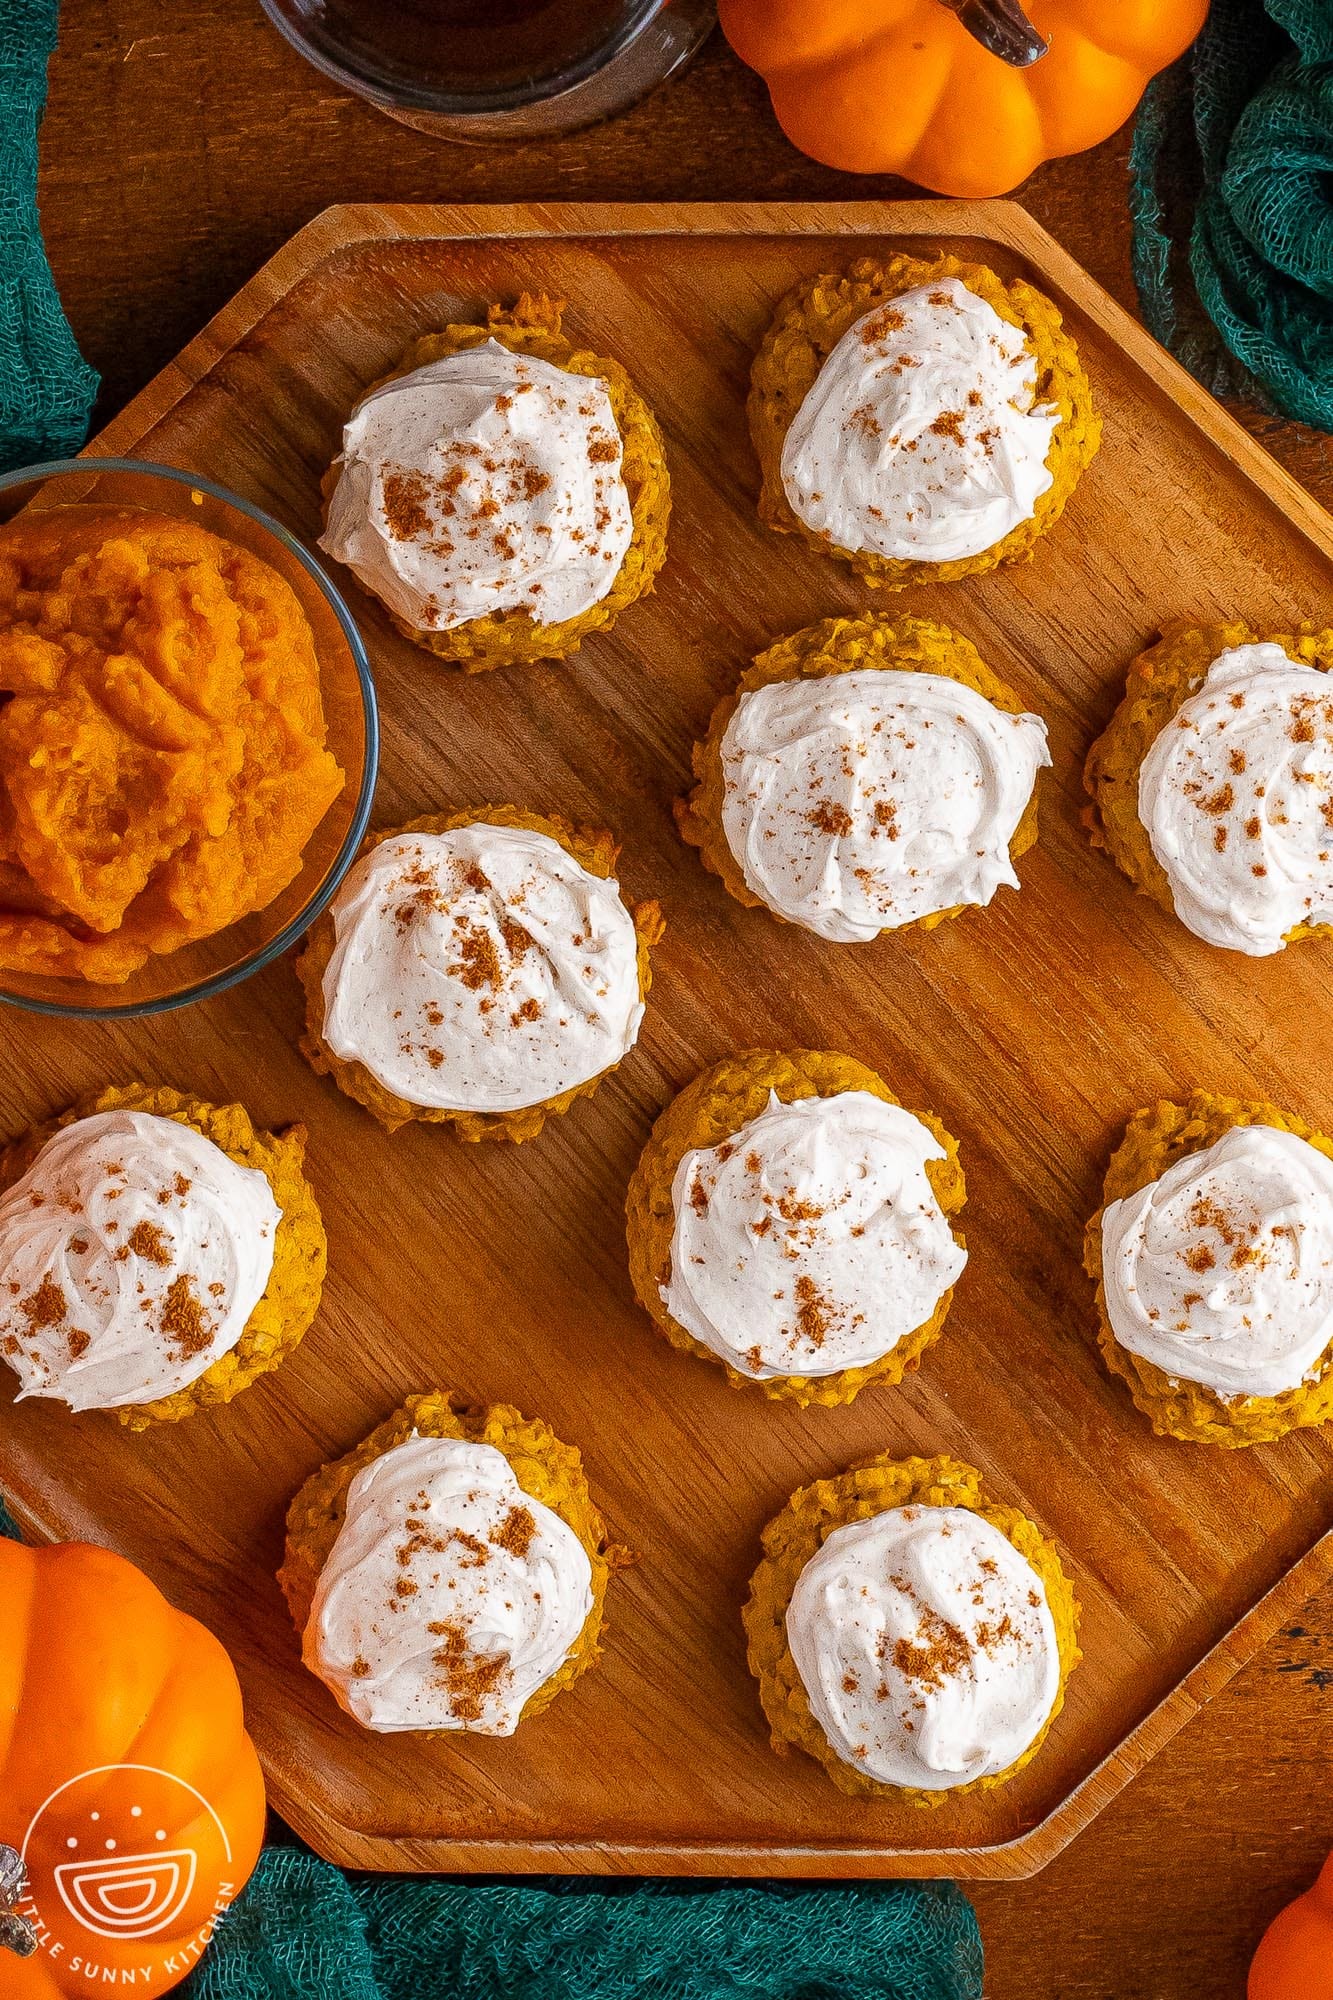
(198, 971)
(496, 69)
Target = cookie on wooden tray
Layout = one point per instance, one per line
(792, 1221)
(1212, 784)
(865, 775)
(909, 1632)
(478, 969)
(450, 1572)
(501, 491)
(1212, 1254)
(159, 1254)
(921, 419)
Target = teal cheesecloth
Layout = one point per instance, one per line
(46, 386)
(1231, 189)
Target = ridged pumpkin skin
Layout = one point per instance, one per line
(99, 1672)
(1295, 1956)
(901, 87)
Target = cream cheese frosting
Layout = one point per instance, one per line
(810, 1241)
(1221, 1271)
(926, 1647)
(859, 802)
(921, 439)
(486, 481)
(1236, 795)
(450, 1595)
(481, 970)
(132, 1254)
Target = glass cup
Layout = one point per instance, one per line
(496, 69)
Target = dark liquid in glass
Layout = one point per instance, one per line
(466, 46)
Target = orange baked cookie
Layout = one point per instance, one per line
(791, 1221)
(1212, 784)
(159, 1253)
(909, 1632)
(477, 969)
(865, 775)
(921, 419)
(1212, 1255)
(450, 1573)
(503, 492)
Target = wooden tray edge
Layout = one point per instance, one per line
(1009, 1861)
(1012, 1860)
(340, 227)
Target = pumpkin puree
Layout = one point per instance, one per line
(870, 1487)
(713, 1109)
(545, 1468)
(162, 739)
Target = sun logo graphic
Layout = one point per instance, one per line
(127, 1869)
(130, 1895)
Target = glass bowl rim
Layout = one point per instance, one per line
(297, 925)
(395, 94)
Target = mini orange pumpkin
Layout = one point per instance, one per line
(1295, 1956)
(128, 1786)
(963, 96)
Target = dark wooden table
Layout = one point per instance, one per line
(183, 144)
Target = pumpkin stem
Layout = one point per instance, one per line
(1002, 27)
(16, 1933)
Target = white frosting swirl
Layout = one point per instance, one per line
(1236, 794)
(480, 970)
(1221, 1270)
(487, 481)
(858, 802)
(920, 438)
(925, 1645)
(811, 1240)
(132, 1254)
(450, 1595)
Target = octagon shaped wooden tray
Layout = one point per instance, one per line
(1033, 1029)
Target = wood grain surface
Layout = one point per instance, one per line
(184, 142)
(1032, 1028)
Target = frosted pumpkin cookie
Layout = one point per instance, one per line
(922, 420)
(909, 1632)
(1213, 1258)
(1212, 784)
(502, 492)
(450, 1572)
(867, 773)
(791, 1220)
(157, 1254)
(478, 970)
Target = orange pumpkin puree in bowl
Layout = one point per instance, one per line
(162, 739)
